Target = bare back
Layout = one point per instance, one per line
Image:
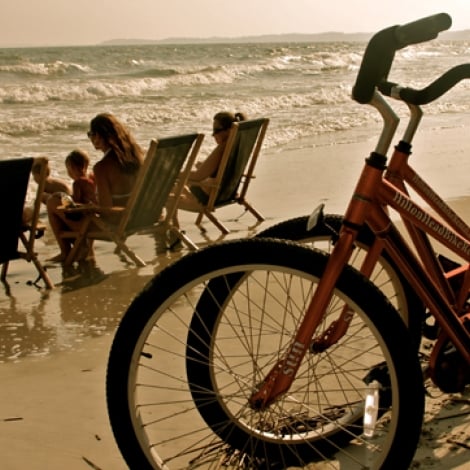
(112, 183)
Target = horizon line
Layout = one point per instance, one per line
(327, 36)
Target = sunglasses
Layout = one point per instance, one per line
(217, 130)
(90, 134)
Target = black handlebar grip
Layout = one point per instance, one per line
(422, 30)
(437, 88)
(375, 65)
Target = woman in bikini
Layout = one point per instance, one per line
(200, 179)
(115, 174)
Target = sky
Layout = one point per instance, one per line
(85, 22)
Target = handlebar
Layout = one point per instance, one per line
(422, 30)
(433, 91)
(380, 51)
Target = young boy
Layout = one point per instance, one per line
(83, 187)
(83, 191)
(53, 185)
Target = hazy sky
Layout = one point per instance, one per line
(72, 22)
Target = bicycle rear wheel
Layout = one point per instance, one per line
(386, 276)
(196, 342)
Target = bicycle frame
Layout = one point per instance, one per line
(380, 187)
(419, 222)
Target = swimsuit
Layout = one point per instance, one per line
(120, 199)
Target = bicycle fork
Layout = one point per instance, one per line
(281, 376)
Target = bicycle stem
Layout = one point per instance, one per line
(390, 119)
(415, 117)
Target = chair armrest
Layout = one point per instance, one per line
(90, 209)
(206, 183)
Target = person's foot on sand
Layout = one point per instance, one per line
(85, 252)
(60, 258)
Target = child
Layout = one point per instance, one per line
(83, 187)
(83, 192)
(53, 185)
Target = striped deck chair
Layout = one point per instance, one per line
(235, 172)
(164, 171)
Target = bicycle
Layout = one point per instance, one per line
(264, 353)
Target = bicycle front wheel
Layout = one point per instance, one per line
(199, 339)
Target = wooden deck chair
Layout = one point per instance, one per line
(17, 237)
(236, 170)
(162, 173)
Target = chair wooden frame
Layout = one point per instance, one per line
(15, 232)
(165, 170)
(231, 183)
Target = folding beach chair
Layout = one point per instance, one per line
(235, 172)
(17, 236)
(162, 173)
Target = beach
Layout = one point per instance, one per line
(55, 344)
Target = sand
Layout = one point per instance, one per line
(54, 345)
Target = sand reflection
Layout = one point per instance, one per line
(37, 323)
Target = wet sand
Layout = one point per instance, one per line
(54, 345)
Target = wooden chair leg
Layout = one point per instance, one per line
(4, 270)
(73, 252)
(250, 208)
(42, 272)
(199, 222)
(121, 246)
(217, 223)
(137, 260)
(184, 238)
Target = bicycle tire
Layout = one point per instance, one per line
(386, 275)
(172, 345)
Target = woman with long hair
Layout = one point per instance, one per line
(115, 175)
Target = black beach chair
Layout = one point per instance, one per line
(19, 232)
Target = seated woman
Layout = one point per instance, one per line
(195, 195)
(114, 175)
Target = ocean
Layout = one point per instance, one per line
(49, 95)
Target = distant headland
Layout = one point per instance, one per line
(273, 38)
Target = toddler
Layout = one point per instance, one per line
(83, 187)
(52, 185)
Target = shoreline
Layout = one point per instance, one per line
(55, 344)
